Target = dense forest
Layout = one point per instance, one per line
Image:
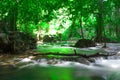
(62, 20)
(59, 39)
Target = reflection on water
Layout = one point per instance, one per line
(41, 73)
(55, 69)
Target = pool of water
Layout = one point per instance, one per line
(59, 69)
(56, 69)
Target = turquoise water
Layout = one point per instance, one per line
(60, 70)
(56, 69)
(39, 73)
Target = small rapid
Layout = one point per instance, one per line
(96, 68)
(45, 69)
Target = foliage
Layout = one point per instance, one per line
(70, 18)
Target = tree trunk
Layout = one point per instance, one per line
(117, 16)
(11, 19)
(81, 28)
(117, 30)
(72, 26)
(99, 27)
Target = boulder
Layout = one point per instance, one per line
(16, 42)
(50, 38)
(82, 43)
(4, 41)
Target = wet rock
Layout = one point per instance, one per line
(97, 78)
(83, 61)
(82, 43)
(7, 67)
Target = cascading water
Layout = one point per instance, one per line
(56, 69)
(60, 69)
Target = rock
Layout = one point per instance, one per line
(82, 43)
(83, 61)
(50, 38)
(16, 42)
(3, 42)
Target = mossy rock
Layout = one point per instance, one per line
(16, 42)
(82, 43)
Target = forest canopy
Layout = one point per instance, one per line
(63, 18)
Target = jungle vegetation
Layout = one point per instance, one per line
(63, 19)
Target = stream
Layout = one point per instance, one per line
(42, 68)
